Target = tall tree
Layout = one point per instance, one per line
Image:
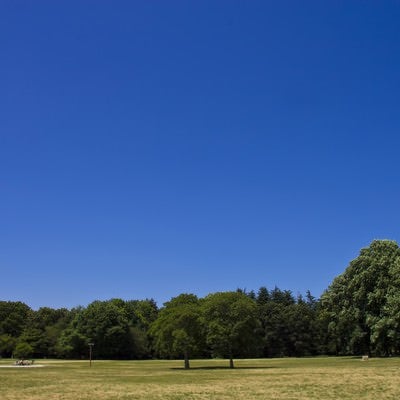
(385, 329)
(106, 324)
(231, 324)
(44, 328)
(141, 314)
(355, 304)
(178, 329)
(302, 335)
(14, 317)
(263, 296)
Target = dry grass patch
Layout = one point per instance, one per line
(319, 378)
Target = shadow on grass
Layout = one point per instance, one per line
(220, 367)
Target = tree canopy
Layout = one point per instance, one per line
(178, 329)
(361, 305)
(231, 324)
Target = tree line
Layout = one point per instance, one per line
(358, 314)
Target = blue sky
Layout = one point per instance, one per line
(150, 148)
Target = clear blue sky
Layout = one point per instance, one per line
(150, 148)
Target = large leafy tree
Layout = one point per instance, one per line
(231, 324)
(14, 317)
(23, 350)
(141, 314)
(359, 307)
(178, 328)
(385, 329)
(106, 324)
(44, 328)
(274, 326)
(7, 344)
(118, 328)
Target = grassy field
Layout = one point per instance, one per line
(312, 378)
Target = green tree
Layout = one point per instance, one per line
(43, 329)
(71, 344)
(7, 344)
(359, 306)
(263, 296)
(274, 328)
(36, 339)
(178, 330)
(14, 317)
(231, 324)
(302, 334)
(284, 297)
(385, 329)
(23, 350)
(141, 314)
(106, 324)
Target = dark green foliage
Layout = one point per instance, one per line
(106, 324)
(302, 336)
(7, 344)
(284, 297)
(178, 331)
(72, 344)
(36, 338)
(43, 330)
(262, 296)
(289, 326)
(231, 324)
(360, 307)
(14, 317)
(118, 329)
(141, 314)
(23, 350)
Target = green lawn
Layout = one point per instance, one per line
(310, 378)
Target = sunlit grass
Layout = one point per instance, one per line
(313, 378)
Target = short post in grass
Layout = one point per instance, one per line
(90, 353)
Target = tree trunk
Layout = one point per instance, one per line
(231, 363)
(187, 364)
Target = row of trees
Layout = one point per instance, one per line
(224, 324)
(119, 329)
(358, 314)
